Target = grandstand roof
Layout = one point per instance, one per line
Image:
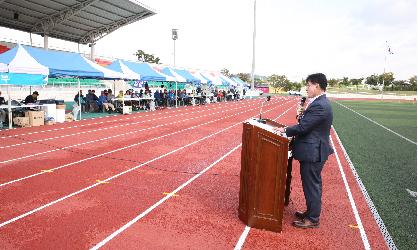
(80, 21)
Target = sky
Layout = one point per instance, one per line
(293, 38)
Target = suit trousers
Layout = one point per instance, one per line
(310, 173)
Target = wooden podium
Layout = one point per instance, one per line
(264, 163)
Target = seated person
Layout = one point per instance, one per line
(2, 111)
(91, 101)
(157, 97)
(120, 95)
(31, 98)
(171, 98)
(104, 102)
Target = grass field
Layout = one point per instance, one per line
(385, 162)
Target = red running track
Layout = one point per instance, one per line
(73, 186)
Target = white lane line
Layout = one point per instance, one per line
(378, 124)
(376, 216)
(111, 127)
(242, 238)
(411, 193)
(352, 202)
(126, 147)
(113, 136)
(115, 120)
(114, 176)
(148, 210)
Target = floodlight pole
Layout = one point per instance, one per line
(9, 108)
(79, 96)
(174, 36)
(253, 63)
(383, 82)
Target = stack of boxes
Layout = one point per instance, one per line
(36, 118)
(21, 121)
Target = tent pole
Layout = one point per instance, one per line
(123, 96)
(176, 94)
(79, 96)
(10, 108)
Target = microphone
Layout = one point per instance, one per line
(302, 102)
(259, 119)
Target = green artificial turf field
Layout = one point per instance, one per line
(385, 162)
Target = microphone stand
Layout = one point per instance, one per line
(290, 162)
(259, 119)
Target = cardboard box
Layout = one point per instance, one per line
(36, 118)
(127, 110)
(60, 106)
(21, 121)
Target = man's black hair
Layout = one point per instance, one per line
(318, 78)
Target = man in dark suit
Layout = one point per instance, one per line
(311, 147)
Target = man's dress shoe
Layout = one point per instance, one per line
(305, 224)
(300, 215)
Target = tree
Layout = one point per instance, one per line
(372, 80)
(386, 79)
(399, 85)
(333, 82)
(345, 82)
(144, 57)
(277, 81)
(225, 72)
(413, 82)
(245, 77)
(356, 82)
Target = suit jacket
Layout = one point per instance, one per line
(312, 133)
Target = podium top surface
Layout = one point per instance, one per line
(268, 126)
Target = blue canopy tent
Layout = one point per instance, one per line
(209, 81)
(170, 72)
(64, 64)
(19, 68)
(229, 82)
(240, 82)
(120, 66)
(69, 64)
(189, 77)
(145, 71)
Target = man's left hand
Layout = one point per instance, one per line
(279, 129)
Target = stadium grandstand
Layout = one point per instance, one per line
(80, 21)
